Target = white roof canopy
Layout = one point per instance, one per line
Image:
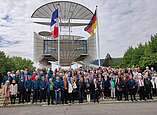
(67, 10)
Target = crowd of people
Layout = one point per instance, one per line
(80, 85)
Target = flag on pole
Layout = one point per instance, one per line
(90, 28)
(54, 24)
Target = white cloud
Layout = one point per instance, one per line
(122, 23)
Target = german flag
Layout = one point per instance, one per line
(90, 28)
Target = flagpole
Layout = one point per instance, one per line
(98, 41)
(59, 45)
(59, 20)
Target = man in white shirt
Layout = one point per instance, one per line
(141, 87)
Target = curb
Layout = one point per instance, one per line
(76, 104)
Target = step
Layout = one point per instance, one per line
(101, 101)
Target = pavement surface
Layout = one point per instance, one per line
(145, 108)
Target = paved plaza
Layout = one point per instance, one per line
(89, 109)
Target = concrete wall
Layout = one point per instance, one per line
(38, 47)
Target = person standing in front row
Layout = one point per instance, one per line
(43, 86)
(35, 89)
(57, 87)
(6, 92)
(81, 89)
(88, 88)
(65, 88)
(96, 90)
(50, 91)
(132, 88)
(113, 88)
(141, 87)
(28, 87)
(148, 85)
(13, 91)
(21, 91)
(119, 88)
(75, 89)
(70, 89)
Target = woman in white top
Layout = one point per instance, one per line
(13, 91)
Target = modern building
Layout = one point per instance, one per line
(73, 48)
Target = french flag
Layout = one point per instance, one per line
(54, 24)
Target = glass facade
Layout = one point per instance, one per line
(51, 46)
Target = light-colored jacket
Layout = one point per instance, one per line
(13, 89)
(6, 91)
(154, 80)
(70, 88)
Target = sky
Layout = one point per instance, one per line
(122, 23)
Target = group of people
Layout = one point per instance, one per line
(80, 85)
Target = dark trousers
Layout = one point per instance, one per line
(21, 96)
(65, 96)
(132, 94)
(149, 93)
(96, 96)
(13, 98)
(70, 97)
(62, 96)
(119, 95)
(125, 93)
(35, 96)
(42, 95)
(141, 93)
(154, 91)
(107, 92)
(74, 95)
(50, 97)
(81, 93)
(28, 95)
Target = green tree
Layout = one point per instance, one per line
(6, 63)
(137, 54)
(142, 55)
(147, 49)
(13, 63)
(153, 44)
(149, 60)
(127, 57)
(21, 63)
